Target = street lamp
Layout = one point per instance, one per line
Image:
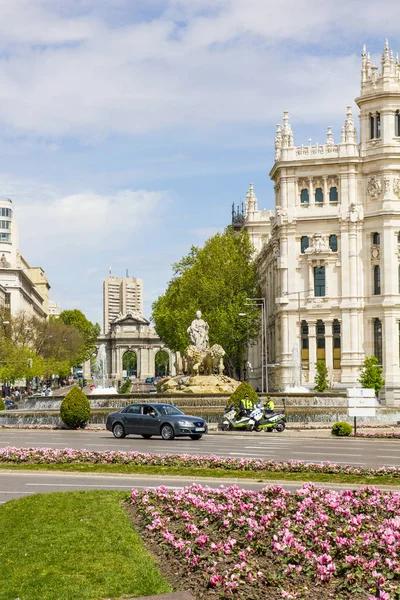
(298, 292)
(262, 303)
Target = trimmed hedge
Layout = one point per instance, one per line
(240, 392)
(75, 409)
(341, 428)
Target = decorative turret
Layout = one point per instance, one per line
(373, 81)
(287, 133)
(349, 132)
(251, 201)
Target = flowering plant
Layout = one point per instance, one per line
(251, 544)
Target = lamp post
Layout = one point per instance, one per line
(298, 292)
(262, 303)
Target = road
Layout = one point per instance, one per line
(281, 447)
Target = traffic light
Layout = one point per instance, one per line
(30, 363)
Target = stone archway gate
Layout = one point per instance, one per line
(132, 333)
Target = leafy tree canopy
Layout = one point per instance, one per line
(216, 279)
(89, 331)
(371, 374)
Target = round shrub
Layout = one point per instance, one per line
(341, 428)
(75, 409)
(240, 392)
(2, 404)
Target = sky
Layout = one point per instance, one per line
(129, 127)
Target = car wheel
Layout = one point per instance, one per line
(196, 437)
(167, 432)
(118, 431)
(146, 436)
(280, 427)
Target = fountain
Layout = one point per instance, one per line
(100, 373)
(295, 386)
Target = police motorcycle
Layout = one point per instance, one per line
(257, 419)
(264, 419)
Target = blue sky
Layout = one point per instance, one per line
(128, 127)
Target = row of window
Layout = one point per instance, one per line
(305, 243)
(375, 125)
(5, 212)
(320, 331)
(4, 237)
(319, 195)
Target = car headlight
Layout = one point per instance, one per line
(185, 423)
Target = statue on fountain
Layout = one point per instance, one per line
(203, 365)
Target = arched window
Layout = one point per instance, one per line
(333, 243)
(319, 196)
(378, 125)
(333, 194)
(336, 345)
(378, 340)
(397, 123)
(376, 239)
(371, 127)
(319, 281)
(305, 359)
(377, 280)
(320, 340)
(304, 243)
(304, 196)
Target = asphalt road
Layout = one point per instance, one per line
(16, 484)
(281, 447)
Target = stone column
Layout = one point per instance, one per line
(283, 193)
(311, 191)
(353, 261)
(328, 345)
(310, 281)
(283, 263)
(389, 264)
(312, 342)
(326, 191)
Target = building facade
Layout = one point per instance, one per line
(27, 288)
(328, 255)
(121, 295)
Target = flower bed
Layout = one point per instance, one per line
(12, 455)
(382, 434)
(314, 543)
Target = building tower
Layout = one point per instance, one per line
(120, 296)
(328, 256)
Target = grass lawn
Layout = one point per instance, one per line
(75, 545)
(198, 473)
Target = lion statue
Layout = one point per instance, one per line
(214, 359)
(194, 359)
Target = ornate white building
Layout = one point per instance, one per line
(329, 254)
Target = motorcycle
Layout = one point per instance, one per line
(258, 419)
(233, 421)
(262, 420)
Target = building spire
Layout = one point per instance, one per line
(329, 137)
(251, 201)
(287, 134)
(349, 132)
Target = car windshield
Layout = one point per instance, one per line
(166, 409)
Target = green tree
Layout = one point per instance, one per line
(321, 381)
(371, 374)
(162, 363)
(216, 279)
(89, 331)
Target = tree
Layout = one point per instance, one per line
(371, 374)
(162, 362)
(216, 279)
(89, 331)
(321, 381)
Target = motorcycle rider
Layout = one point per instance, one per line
(245, 406)
(269, 406)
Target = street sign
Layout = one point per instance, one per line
(361, 402)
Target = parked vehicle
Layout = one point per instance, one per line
(149, 379)
(157, 418)
(232, 420)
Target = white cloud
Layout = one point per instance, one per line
(196, 64)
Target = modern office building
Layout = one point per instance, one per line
(121, 295)
(26, 288)
(328, 255)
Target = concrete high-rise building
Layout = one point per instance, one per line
(328, 255)
(120, 296)
(26, 288)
